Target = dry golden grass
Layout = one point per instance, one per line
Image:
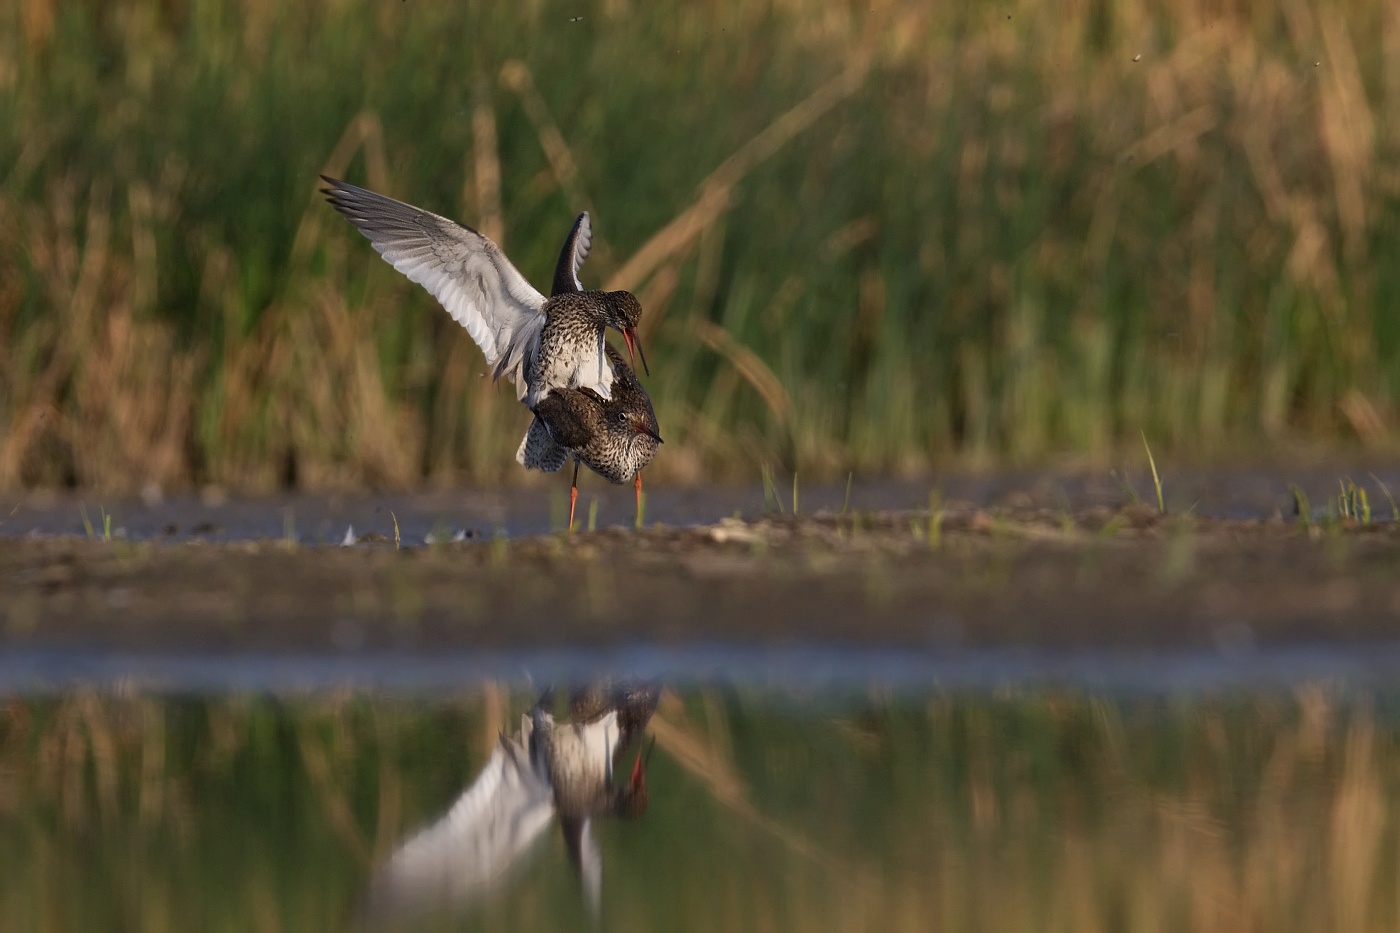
(873, 237)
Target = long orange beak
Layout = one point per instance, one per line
(634, 349)
(639, 768)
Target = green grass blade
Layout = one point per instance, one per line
(1156, 479)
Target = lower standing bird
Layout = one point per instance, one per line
(541, 344)
(545, 769)
(615, 438)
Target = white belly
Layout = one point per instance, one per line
(579, 369)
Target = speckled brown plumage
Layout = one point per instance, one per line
(582, 758)
(585, 784)
(634, 700)
(571, 353)
(539, 343)
(540, 451)
(614, 434)
(615, 438)
(548, 347)
(575, 770)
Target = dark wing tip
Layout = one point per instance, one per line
(335, 192)
(571, 257)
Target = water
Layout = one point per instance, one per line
(1022, 808)
(216, 783)
(810, 667)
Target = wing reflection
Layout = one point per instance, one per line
(545, 769)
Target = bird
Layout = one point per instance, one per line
(615, 437)
(546, 769)
(579, 318)
(540, 344)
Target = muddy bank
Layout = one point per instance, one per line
(1034, 578)
(524, 511)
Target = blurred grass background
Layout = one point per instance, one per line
(880, 237)
(1026, 811)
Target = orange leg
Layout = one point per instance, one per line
(573, 497)
(638, 484)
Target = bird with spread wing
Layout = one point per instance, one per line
(542, 344)
(545, 769)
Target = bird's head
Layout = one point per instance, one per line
(625, 313)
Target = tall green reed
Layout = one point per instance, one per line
(943, 235)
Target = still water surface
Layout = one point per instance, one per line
(1015, 808)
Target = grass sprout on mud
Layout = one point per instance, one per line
(935, 519)
(1301, 507)
(1385, 490)
(771, 501)
(105, 517)
(1156, 478)
(1353, 503)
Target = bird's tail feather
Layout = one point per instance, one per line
(538, 451)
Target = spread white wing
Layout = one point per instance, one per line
(475, 844)
(466, 272)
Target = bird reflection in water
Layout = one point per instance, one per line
(545, 769)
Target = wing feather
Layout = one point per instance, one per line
(475, 844)
(571, 257)
(539, 450)
(466, 272)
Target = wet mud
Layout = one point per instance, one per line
(541, 506)
(955, 578)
